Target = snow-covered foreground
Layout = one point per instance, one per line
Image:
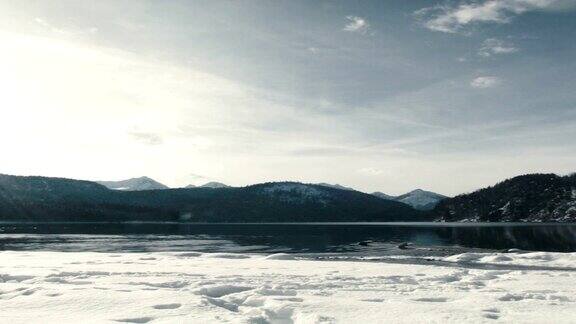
(86, 287)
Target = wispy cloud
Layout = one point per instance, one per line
(484, 82)
(357, 25)
(493, 46)
(196, 176)
(64, 31)
(450, 19)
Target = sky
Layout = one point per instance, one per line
(389, 96)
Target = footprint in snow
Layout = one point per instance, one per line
(135, 320)
(432, 299)
(491, 313)
(167, 306)
(492, 316)
(53, 294)
(373, 300)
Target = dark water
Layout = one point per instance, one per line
(378, 239)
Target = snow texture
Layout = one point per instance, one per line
(161, 287)
(134, 184)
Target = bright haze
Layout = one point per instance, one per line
(387, 96)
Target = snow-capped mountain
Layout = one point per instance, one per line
(528, 198)
(383, 195)
(419, 199)
(333, 203)
(57, 200)
(134, 184)
(214, 184)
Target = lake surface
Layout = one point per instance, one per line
(326, 239)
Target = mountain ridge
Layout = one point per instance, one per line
(134, 184)
(59, 199)
(417, 198)
(526, 198)
(421, 199)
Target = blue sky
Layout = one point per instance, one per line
(388, 95)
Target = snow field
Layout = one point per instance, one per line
(190, 287)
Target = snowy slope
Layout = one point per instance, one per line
(214, 184)
(335, 186)
(525, 198)
(134, 184)
(419, 199)
(191, 287)
(383, 195)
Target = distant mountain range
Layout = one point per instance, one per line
(527, 198)
(145, 183)
(134, 184)
(419, 199)
(56, 199)
(212, 184)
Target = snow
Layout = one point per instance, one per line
(534, 259)
(193, 287)
(286, 191)
(280, 256)
(214, 185)
(134, 184)
(419, 198)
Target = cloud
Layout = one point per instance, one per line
(313, 50)
(484, 82)
(65, 31)
(451, 19)
(357, 25)
(147, 138)
(323, 151)
(197, 176)
(493, 46)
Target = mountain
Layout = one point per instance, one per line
(526, 198)
(383, 195)
(335, 186)
(55, 199)
(134, 184)
(214, 184)
(419, 199)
